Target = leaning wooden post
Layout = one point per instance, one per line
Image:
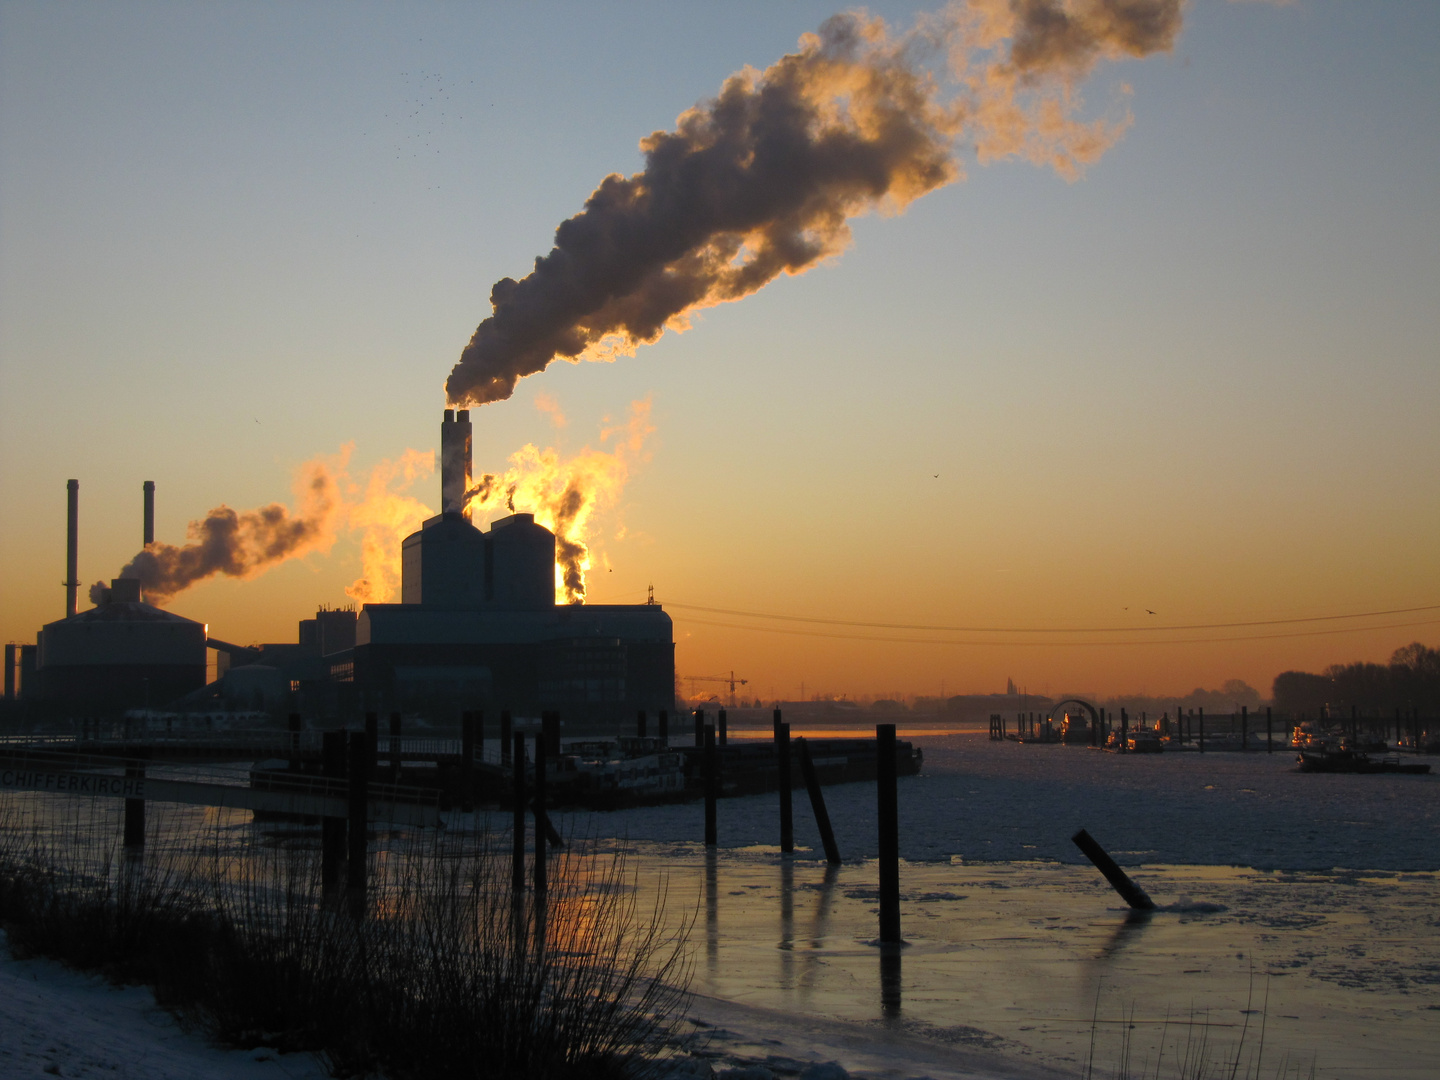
(888, 817)
(1131, 893)
(332, 829)
(541, 848)
(787, 785)
(359, 792)
(817, 803)
(517, 854)
(467, 762)
(712, 786)
(135, 808)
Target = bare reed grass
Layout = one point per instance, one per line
(439, 971)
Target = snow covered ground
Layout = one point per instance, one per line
(55, 1022)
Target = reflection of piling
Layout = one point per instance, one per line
(640, 724)
(817, 802)
(332, 829)
(468, 723)
(662, 728)
(505, 730)
(359, 792)
(135, 809)
(541, 753)
(887, 814)
(787, 809)
(712, 910)
(712, 784)
(517, 855)
(722, 730)
(1131, 893)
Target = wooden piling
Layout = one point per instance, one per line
(1202, 729)
(540, 845)
(332, 829)
(372, 742)
(699, 728)
(888, 818)
(787, 810)
(712, 785)
(292, 725)
(359, 797)
(722, 730)
(1244, 727)
(517, 853)
(1124, 732)
(817, 802)
(395, 753)
(640, 724)
(135, 809)
(1269, 742)
(467, 761)
(506, 727)
(1131, 893)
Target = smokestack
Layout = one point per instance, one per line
(72, 549)
(149, 512)
(454, 460)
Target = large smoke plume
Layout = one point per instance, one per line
(763, 179)
(240, 544)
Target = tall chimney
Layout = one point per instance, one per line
(454, 460)
(72, 549)
(149, 512)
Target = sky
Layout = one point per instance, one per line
(1199, 380)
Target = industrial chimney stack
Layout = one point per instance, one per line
(72, 549)
(149, 512)
(454, 461)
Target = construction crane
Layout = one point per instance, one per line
(731, 679)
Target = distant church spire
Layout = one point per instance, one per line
(1010, 687)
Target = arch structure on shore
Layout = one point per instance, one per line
(1059, 710)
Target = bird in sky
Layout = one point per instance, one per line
(1149, 612)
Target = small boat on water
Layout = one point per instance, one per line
(1345, 759)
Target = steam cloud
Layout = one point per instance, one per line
(763, 179)
(239, 544)
(564, 493)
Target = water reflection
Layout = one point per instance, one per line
(890, 980)
(712, 912)
(787, 922)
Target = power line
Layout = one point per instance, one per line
(1055, 630)
(1064, 644)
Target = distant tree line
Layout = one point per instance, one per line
(1233, 694)
(1410, 680)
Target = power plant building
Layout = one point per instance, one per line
(478, 623)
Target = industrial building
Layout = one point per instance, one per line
(478, 622)
(477, 626)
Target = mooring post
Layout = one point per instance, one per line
(292, 725)
(1131, 893)
(505, 731)
(332, 829)
(662, 728)
(787, 809)
(699, 728)
(517, 853)
(359, 792)
(640, 724)
(1269, 743)
(712, 785)
(1202, 729)
(1244, 727)
(372, 743)
(722, 731)
(135, 808)
(817, 802)
(467, 761)
(888, 816)
(395, 721)
(1124, 732)
(541, 847)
